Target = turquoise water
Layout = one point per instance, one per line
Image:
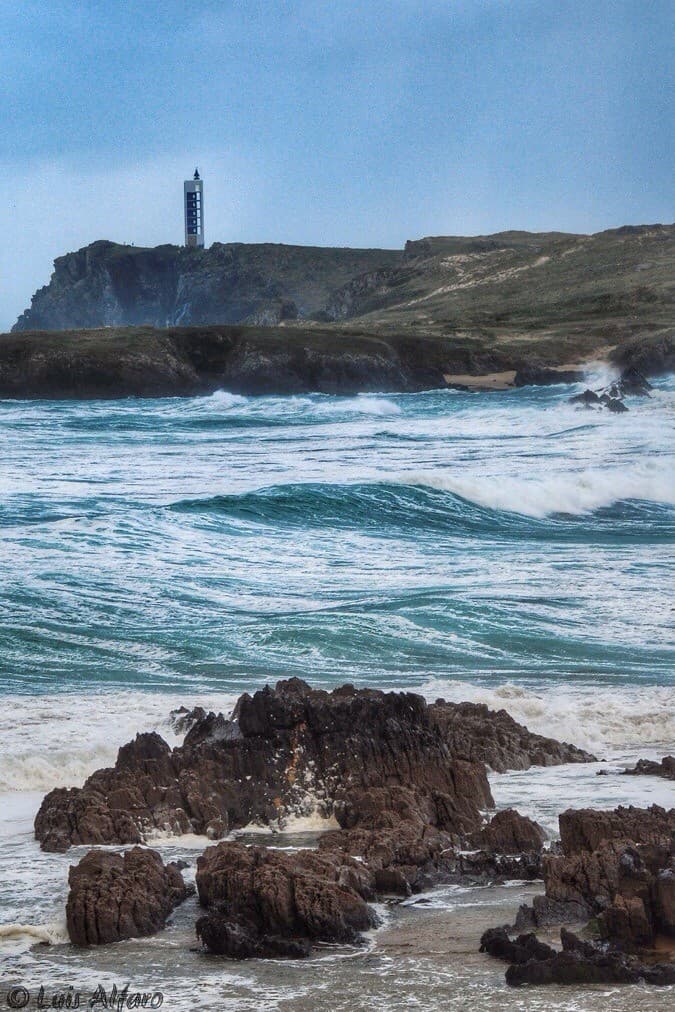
(223, 541)
(504, 548)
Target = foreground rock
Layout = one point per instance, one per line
(618, 868)
(291, 750)
(369, 759)
(118, 896)
(579, 962)
(264, 902)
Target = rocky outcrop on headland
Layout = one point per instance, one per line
(117, 896)
(617, 867)
(577, 293)
(274, 319)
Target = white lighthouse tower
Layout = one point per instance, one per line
(193, 199)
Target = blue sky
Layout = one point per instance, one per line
(359, 123)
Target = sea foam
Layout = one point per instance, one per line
(569, 493)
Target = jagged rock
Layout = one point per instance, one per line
(509, 832)
(615, 405)
(117, 896)
(484, 866)
(588, 398)
(633, 383)
(546, 912)
(647, 767)
(650, 355)
(182, 719)
(223, 937)
(260, 901)
(478, 734)
(496, 942)
(575, 968)
(367, 757)
(616, 866)
(409, 857)
(580, 962)
(586, 828)
(663, 901)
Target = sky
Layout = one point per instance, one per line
(352, 124)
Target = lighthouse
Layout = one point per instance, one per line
(193, 199)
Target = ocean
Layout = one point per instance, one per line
(507, 548)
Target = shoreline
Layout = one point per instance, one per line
(112, 363)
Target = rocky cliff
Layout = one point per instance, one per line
(108, 285)
(509, 286)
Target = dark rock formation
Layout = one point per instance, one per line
(497, 942)
(615, 405)
(182, 719)
(546, 912)
(185, 362)
(584, 829)
(509, 832)
(580, 962)
(117, 896)
(647, 767)
(631, 383)
(367, 757)
(267, 902)
(649, 355)
(591, 399)
(370, 759)
(108, 285)
(478, 734)
(536, 374)
(619, 868)
(615, 866)
(571, 967)
(406, 857)
(588, 398)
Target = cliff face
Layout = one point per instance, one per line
(509, 286)
(107, 285)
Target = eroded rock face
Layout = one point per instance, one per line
(478, 734)
(618, 867)
(117, 896)
(584, 829)
(509, 832)
(367, 757)
(267, 902)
